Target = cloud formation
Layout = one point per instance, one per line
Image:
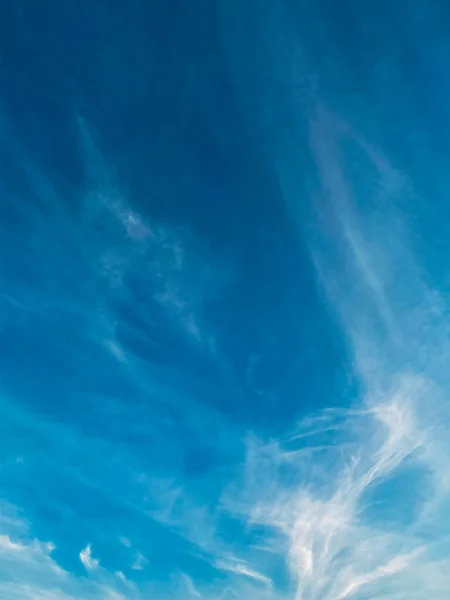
(178, 271)
(86, 558)
(352, 503)
(240, 568)
(29, 571)
(352, 529)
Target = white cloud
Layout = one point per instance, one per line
(106, 592)
(6, 545)
(116, 350)
(19, 591)
(189, 585)
(239, 567)
(32, 554)
(330, 494)
(140, 562)
(394, 566)
(29, 571)
(86, 558)
(129, 584)
(341, 543)
(335, 548)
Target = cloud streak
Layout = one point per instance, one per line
(86, 558)
(29, 571)
(240, 568)
(176, 267)
(334, 508)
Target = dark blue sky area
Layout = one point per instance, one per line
(175, 126)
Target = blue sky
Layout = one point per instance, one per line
(224, 300)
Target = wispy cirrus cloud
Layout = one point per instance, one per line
(190, 586)
(140, 562)
(86, 558)
(30, 572)
(352, 518)
(239, 567)
(180, 276)
(354, 502)
(347, 496)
